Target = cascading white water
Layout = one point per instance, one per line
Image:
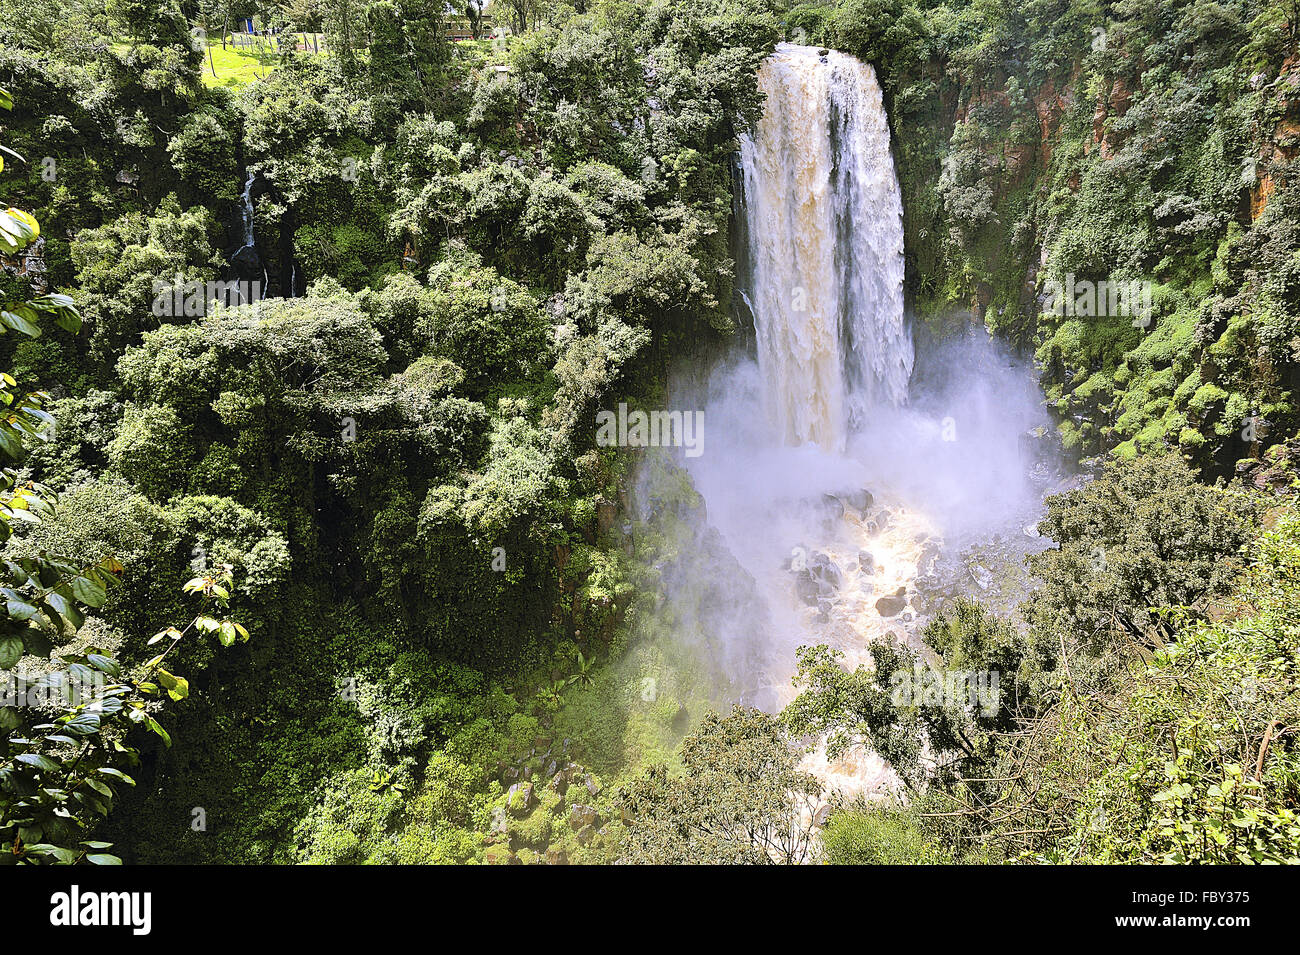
(248, 251)
(246, 211)
(825, 454)
(824, 219)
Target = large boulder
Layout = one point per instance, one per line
(817, 578)
(891, 605)
(580, 816)
(824, 570)
(860, 500)
(832, 506)
(520, 798)
(807, 589)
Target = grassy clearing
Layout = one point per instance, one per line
(237, 66)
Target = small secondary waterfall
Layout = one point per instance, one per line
(246, 260)
(246, 211)
(824, 221)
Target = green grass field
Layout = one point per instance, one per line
(236, 67)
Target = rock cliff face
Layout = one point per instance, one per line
(1134, 164)
(1017, 149)
(1278, 148)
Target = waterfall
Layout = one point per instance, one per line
(246, 211)
(846, 501)
(825, 233)
(246, 260)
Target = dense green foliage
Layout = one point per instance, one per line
(66, 727)
(462, 262)
(378, 458)
(738, 799)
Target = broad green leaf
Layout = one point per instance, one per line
(104, 664)
(40, 762)
(177, 687)
(83, 724)
(153, 724)
(88, 592)
(11, 651)
(19, 609)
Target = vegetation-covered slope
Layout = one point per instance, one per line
(1060, 145)
(466, 249)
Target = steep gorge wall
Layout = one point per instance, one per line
(1154, 149)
